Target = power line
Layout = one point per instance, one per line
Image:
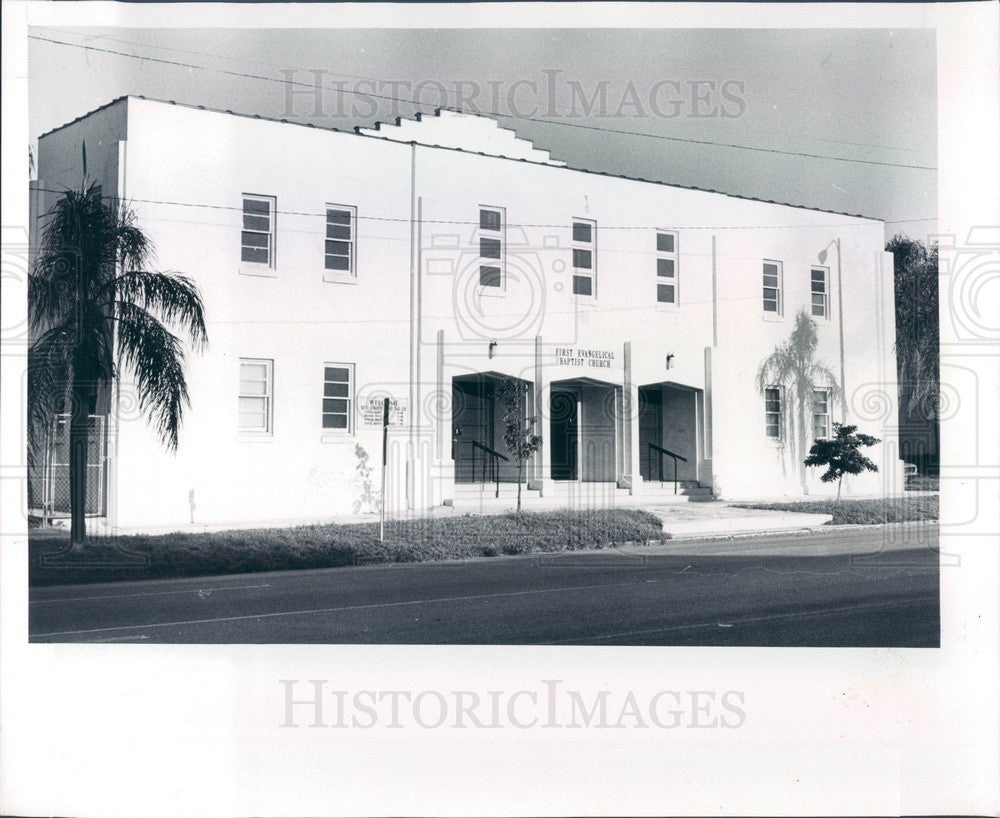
(417, 104)
(459, 223)
(442, 89)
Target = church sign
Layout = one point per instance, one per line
(587, 358)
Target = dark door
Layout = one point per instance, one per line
(472, 422)
(563, 440)
(650, 431)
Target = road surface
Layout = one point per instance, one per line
(782, 590)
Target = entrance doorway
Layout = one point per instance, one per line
(650, 431)
(564, 438)
(670, 434)
(585, 419)
(477, 430)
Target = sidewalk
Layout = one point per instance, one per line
(680, 520)
(689, 520)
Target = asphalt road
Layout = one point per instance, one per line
(787, 590)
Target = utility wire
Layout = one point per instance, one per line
(554, 226)
(578, 125)
(442, 89)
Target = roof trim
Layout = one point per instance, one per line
(100, 108)
(354, 132)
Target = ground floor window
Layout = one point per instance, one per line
(255, 395)
(338, 397)
(821, 413)
(772, 412)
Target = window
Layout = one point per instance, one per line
(666, 267)
(772, 287)
(820, 287)
(491, 241)
(256, 387)
(340, 239)
(772, 412)
(821, 413)
(584, 251)
(258, 230)
(338, 382)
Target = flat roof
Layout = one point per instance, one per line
(356, 132)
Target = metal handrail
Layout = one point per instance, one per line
(495, 463)
(653, 447)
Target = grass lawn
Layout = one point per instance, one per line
(865, 512)
(330, 546)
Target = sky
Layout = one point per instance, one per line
(732, 110)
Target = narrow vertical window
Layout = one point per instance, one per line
(491, 247)
(821, 413)
(338, 397)
(772, 412)
(666, 267)
(255, 396)
(340, 242)
(820, 289)
(772, 287)
(257, 237)
(584, 257)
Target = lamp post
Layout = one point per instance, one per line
(840, 321)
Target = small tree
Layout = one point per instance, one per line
(518, 429)
(841, 454)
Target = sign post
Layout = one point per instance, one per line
(385, 457)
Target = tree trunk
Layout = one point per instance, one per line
(803, 441)
(78, 451)
(520, 471)
(840, 483)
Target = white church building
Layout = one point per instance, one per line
(428, 262)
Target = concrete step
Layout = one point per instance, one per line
(476, 491)
(688, 491)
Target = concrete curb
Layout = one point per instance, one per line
(732, 526)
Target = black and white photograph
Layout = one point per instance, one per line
(398, 370)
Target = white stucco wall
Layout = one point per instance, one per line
(185, 170)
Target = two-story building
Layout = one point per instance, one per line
(431, 262)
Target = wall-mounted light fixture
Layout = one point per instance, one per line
(493, 346)
(670, 360)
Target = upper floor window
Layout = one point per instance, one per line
(584, 257)
(773, 412)
(491, 246)
(255, 395)
(338, 397)
(821, 413)
(666, 267)
(339, 249)
(772, 287)
(820, 289)
(257, 237)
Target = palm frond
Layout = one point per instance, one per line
(155, 358)
(174, 297)
(49, 374)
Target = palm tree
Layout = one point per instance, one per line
(95, 313)
(794, 367)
